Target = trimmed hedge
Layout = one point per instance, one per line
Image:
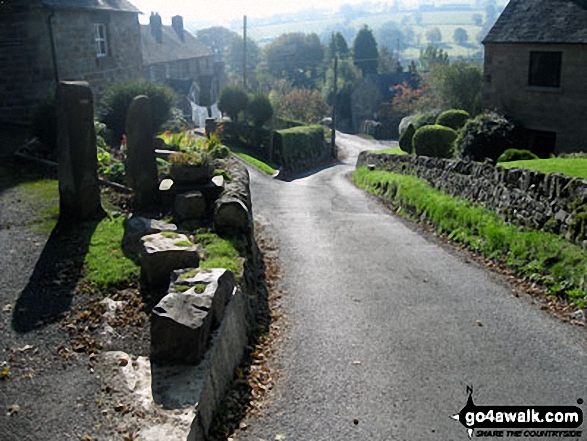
(516, 155)
(406, 139)
(454, 119)
(434, 141)
(426, 118)
(487, 135)
(299, 144)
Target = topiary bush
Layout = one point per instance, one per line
(455, 119)
(487, 135)
(406, 139)
(516, 155)
(260, 109)
(299, 144)
(435, 141)
(233, 100)
(427, 118)
(114, 106)
(44, 122)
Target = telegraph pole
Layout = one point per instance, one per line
(245, 52)
(333, 134)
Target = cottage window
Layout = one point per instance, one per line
(545, 69)
(100, 39)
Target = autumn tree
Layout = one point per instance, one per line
(365, 53)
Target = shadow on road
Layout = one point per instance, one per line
(305, 174)
(49, 292)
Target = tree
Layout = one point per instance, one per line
(431, 56)
(218, 39)
(457, 85)
(477, 19)
(391, 36)
(338, 46)
(348, 77)
(295, 57)
(234, 57)
(233, 100)
(260, 109)
(388, 63)
(434, 35)
(365, 53)
(302, 105)
(460, 36)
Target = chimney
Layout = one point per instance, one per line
(177, 25)
(156, 27)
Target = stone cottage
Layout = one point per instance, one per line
(173, 56)
(535, 64)
(46, 41)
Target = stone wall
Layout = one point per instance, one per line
(25, 54)
(554, 202)
(560, 110)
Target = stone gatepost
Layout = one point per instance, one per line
(141, 165)
(79, 189)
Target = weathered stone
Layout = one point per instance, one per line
(180, 328)
(216, 283)
(191, 205)
(191, 173)
(79, 190)
(136, 227)
(141, 165)
(162, 253)
(232, 211)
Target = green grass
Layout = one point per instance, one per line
(569, 166)
(539, 256)
(391, 151)
(221, 252)
(105, 263)
(265, 167)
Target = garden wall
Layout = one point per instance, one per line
(553, 202)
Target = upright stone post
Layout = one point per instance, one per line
(79, 189)
(141, 165)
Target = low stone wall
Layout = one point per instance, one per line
(553, 202)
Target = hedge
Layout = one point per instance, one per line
(299, 144)
(435, 141)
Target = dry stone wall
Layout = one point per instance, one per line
(553, 202)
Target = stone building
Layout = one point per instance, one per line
(45, 41)
(173, 56)
(535, 65)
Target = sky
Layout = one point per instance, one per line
(221, 12)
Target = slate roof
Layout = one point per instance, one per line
(541, 21)
(171, 48)
(106, 5)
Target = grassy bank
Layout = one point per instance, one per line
(538, 256)
(568, 166)
(391, 151)
(265, 167)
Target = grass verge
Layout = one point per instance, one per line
(569, 166)
(265, 167)
(535, 255)
(221, 252)
(391, 151)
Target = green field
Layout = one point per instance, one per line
(568, 166)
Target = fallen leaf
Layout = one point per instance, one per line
(357, 362)
(122, 361)
(7, 308)
(478, 323)
(5, 373)
(25, 348)
(86, 438)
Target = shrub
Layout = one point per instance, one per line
(406, 139)
(260, 109)
(44, 122)
(516, 155)
(487, 135)
(435, 141)
(300, 143)
(455, 119)
(113, 108)
(427, 118)
(233, 100)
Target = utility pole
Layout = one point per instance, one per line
(333, 134)
(245, 52)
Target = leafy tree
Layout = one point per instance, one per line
(365, 53)
(260, 109)
(388, 63)
(457, 85)
(434, 35)
(348, 77)
(234, 57)
(460, 36)
(338, 46)
(477, 19)
(295, 57)
(218, 39)
(405, 97)
(233, 100)
(302, 105)
(390, 35)
(431, 56)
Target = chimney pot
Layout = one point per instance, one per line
(177, 24)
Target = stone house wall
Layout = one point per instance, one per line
(553, 202)
(560, 110)
(27, 73)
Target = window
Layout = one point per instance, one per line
(545, 69)
(542, 143)
(100, 39)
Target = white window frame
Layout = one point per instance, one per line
(100, 40)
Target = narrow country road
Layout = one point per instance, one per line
(384, 323)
